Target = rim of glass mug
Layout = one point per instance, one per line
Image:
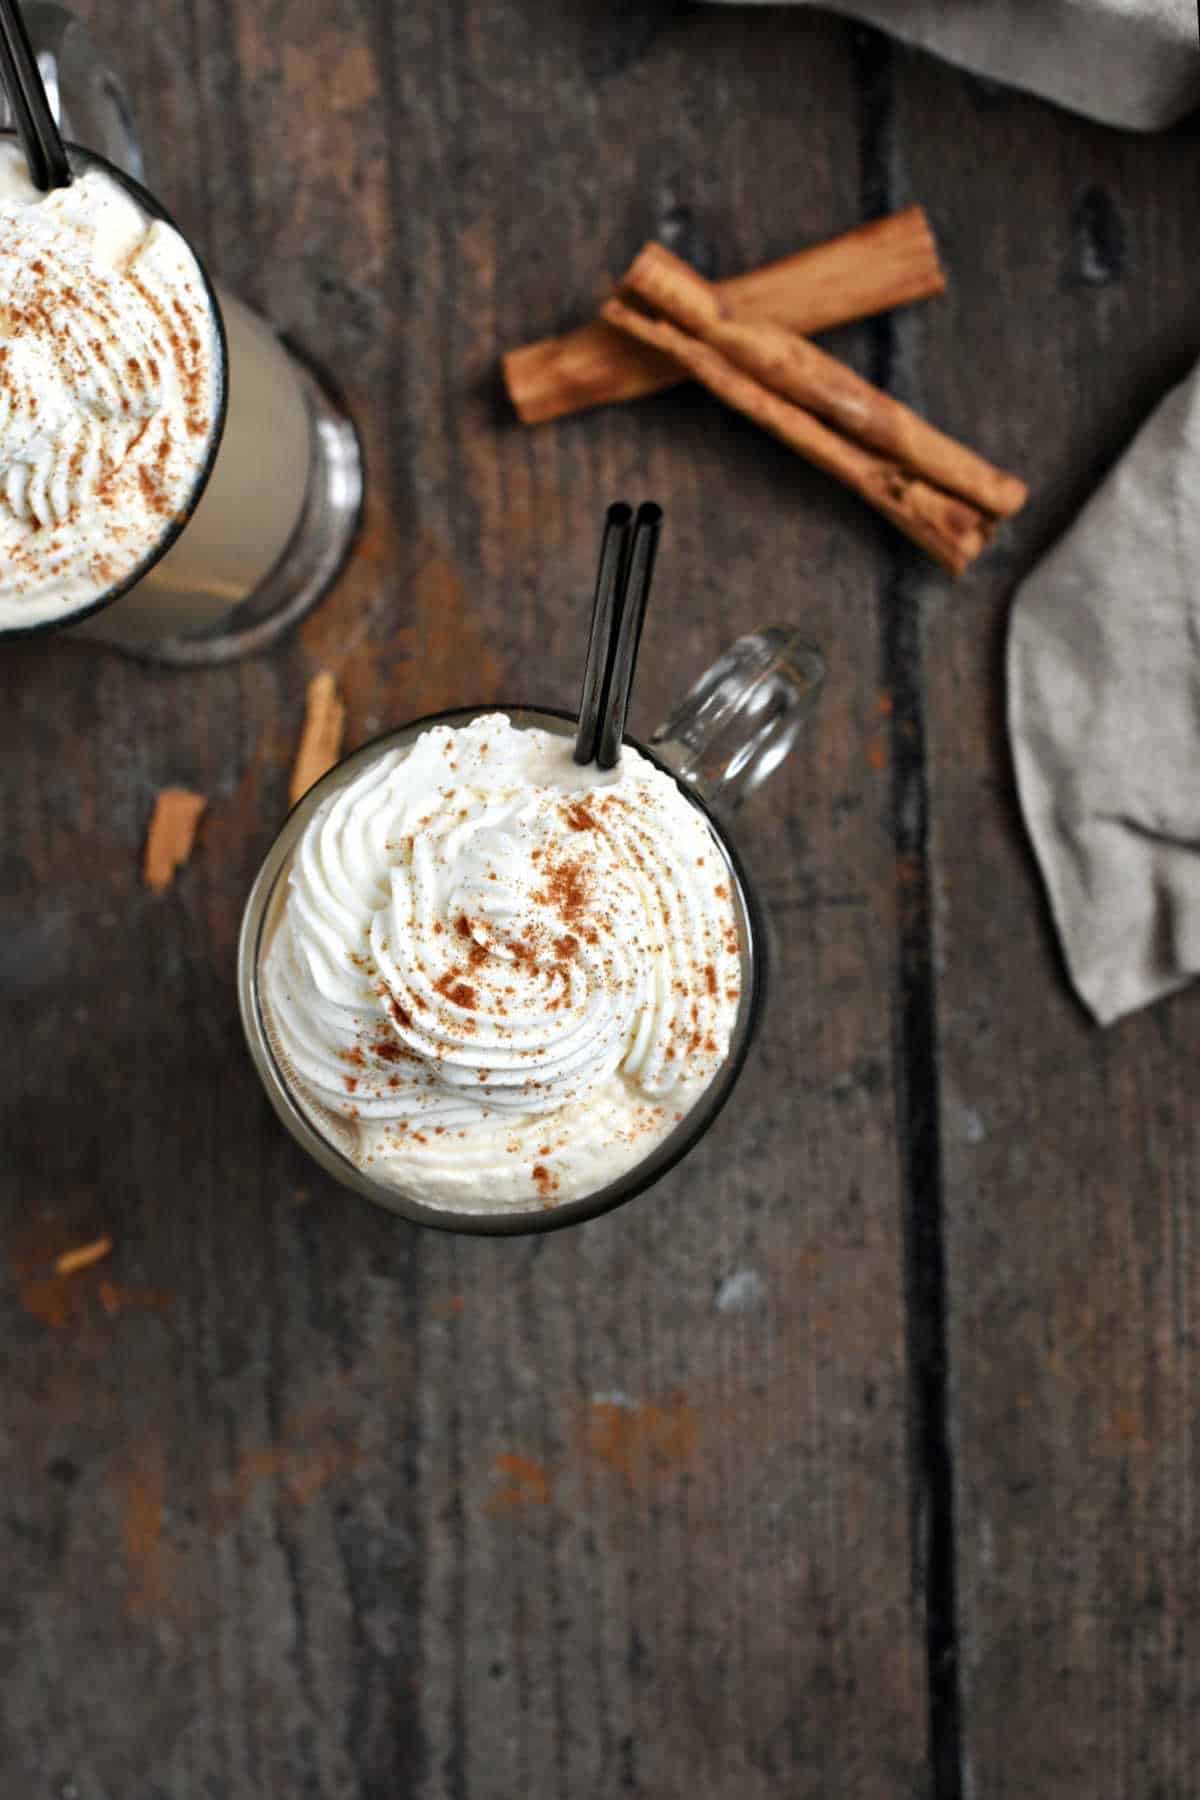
(44, 627)
(512, 1222)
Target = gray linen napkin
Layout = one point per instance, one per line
(1104, 643)
(1104, 717)
(1134, 63)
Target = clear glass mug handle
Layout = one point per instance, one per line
(85, 95)
(743, 716)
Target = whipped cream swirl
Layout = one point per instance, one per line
(109, 371)
(503, 976)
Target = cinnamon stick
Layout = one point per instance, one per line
(951, 530)
(797, 370)
(890, 262)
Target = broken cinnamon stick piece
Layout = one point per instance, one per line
(951, 530)
(797, 370)
(321, 738)
(890, 262)
(173, 825)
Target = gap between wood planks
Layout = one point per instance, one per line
(917, 1108)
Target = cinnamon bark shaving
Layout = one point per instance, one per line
(71, 1262)
(172, 834)
(321, 738)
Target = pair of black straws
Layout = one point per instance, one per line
(627, 553)
(44, 152)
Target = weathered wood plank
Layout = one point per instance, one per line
(1069, 1155)
(327, 1506)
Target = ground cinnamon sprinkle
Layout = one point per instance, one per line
(581, 818)
(451, 987)
(188, 367)
(566, 890)
(710, 979)
(152, 493)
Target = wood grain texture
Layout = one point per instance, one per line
(1069, 1155)
(297, 1500)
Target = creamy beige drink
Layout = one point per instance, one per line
(250, 509)
(111, 389)
(149, 445)
(492, 978)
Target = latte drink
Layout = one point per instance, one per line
(250, 510)
(156, 446)
(111, 391)
(493, 979)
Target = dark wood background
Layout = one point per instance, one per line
(860, 1458)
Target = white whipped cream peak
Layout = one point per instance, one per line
(109, 366)
(486, 951)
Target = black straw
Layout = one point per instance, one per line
(615, 705)
(44, 152)
(611, 576)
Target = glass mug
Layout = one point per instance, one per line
(726, 736)
(276, 504)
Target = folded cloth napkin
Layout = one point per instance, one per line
(1104, 718)
(1134, 63)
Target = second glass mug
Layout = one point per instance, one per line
(280, 509)
(735, 726)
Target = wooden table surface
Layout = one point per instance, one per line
(860, 1458)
